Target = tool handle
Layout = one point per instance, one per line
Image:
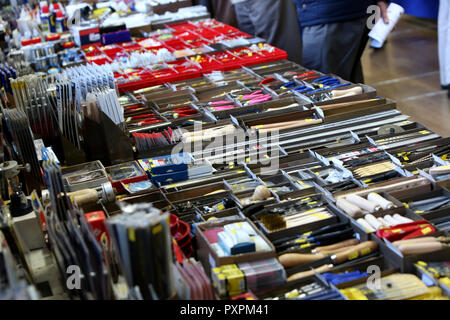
(389, 219)
(360, 250)
(328, 229)
(294, 124)
(347, 92)
(261, 193)
(305, 274)
(420, 247)
(365, 225)
(402, 219)
(439, 170)
(373, 221)
(363, 203)
(289, 260)
(349, 208)
(416, 240)
(339, 245)
(84, 196)
(376, 198)
(335, 251)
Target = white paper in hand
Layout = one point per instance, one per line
(381, 30)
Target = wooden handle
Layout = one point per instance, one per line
(416, 240)
(373, 221)
(336, 246)
(344, 104)
(84, 196)
(289, 260)
(388, 218)
(383, 222)
(439, 170)
(363, 203)
(261, 193)
(294, 124)
(349, 208)
(336, 251)
(365, 225)
(305, 274)
(376, 198)
(360, 250)
(420, 247)
(347, 92)
(402, 219)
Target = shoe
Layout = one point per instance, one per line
(445, 87)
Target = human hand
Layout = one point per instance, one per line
(383, 7)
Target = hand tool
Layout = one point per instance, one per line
(441, 223)
(326, 264)
(402, 219)
(306, 274)
(289, 260)
(373, 169)
(373, 221)
(429, 204)
(349, 208)
(420, 248)
(366, 226)
(336, 246)
(406, 230)
(313, 234)
(274, 221)
(313, 242)
(337, 278)
(421, 240)
(439, 170)
(286, 125)
(363, 203)
(376, 198)
(389, 219)
(384, 223)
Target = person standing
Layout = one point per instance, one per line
(273, 20)
(444, 43)
(335, 34)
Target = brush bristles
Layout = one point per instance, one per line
(273, 221)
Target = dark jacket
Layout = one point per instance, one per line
(314, 12)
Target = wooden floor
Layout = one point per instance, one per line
(407, 70)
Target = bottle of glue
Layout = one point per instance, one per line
(60, 22)
(45, 19)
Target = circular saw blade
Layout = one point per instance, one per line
(389, 129)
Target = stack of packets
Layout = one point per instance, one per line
(256, 276)
(173, 168)
(236, 238)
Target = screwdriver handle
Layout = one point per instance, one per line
(84, 196)
(305, 274)
(339, 245)
(419, 248)
(289, 260)
(360, 250)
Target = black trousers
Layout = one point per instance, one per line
(336, 48)
(273, 20)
